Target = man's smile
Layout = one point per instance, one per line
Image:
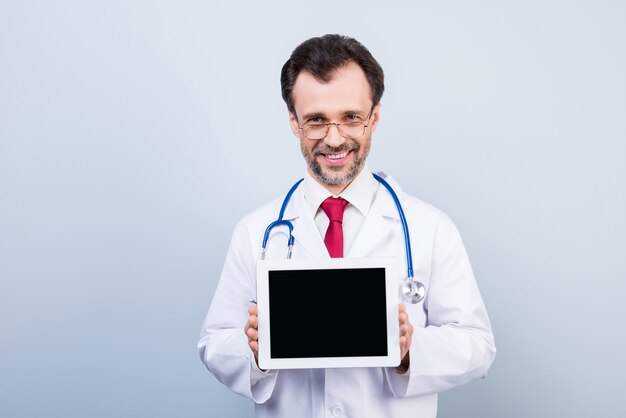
(337, 157)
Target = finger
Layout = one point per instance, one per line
(409, 336)
(406, 329)
(254, 346)
(403, 346)
(401, 308)
(253, 321)
(252, 309)
(253, 334)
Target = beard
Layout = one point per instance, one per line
(336, 175)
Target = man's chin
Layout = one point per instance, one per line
(336, 177)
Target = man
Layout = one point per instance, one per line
(332, 86)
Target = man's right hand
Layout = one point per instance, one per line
(252, 331)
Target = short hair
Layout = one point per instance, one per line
(322, 56)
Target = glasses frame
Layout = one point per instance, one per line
(328, 124)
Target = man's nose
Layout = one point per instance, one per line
(334, 138)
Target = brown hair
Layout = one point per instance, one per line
(321, 56)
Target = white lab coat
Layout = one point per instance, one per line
(452, 342)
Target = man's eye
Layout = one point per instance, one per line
(314, 121)
(352, 118)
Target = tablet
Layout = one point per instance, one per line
(324, 313)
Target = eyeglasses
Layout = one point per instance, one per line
(351, 129)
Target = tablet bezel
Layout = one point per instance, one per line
(392, 359)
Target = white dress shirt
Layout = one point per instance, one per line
(359, 193)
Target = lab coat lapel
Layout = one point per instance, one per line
(305, 230)
(377, 225)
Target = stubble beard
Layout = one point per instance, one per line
(326, 177)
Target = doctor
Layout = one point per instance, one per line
(332, 87)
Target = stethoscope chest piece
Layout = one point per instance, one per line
(412, 291)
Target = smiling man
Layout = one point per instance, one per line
(332, 87)
(334, 156)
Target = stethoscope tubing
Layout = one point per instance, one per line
(405, 227)
(281, 221)
(288, 224)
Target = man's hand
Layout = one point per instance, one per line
(252, 331)
(406, 335)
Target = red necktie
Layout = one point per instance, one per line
(334, 207)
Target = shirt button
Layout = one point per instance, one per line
(337, 412)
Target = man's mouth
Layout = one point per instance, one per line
(336, 156)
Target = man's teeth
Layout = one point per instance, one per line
(336, 156)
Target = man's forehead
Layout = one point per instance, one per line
(347, 90)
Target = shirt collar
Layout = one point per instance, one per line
(360, 192)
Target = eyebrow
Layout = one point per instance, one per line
(323, 116)
(313, 115)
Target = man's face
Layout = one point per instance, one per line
(334, 161)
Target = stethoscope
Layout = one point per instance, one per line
(412, 290)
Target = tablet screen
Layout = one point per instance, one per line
(328, 313)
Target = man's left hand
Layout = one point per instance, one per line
(406, 334)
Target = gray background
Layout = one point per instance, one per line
(134, 135)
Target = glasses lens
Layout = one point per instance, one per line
(315, 131)
(352, 129)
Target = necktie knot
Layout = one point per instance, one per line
(334, 208)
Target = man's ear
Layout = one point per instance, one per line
(375, 116)
(293, 124)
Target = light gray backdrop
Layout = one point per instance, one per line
(134, 135)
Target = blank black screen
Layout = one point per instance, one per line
(328, 313)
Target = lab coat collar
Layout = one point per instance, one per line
(305, 230)
(377, 225)
(380, 222)
(360, 192)
(383, 200)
